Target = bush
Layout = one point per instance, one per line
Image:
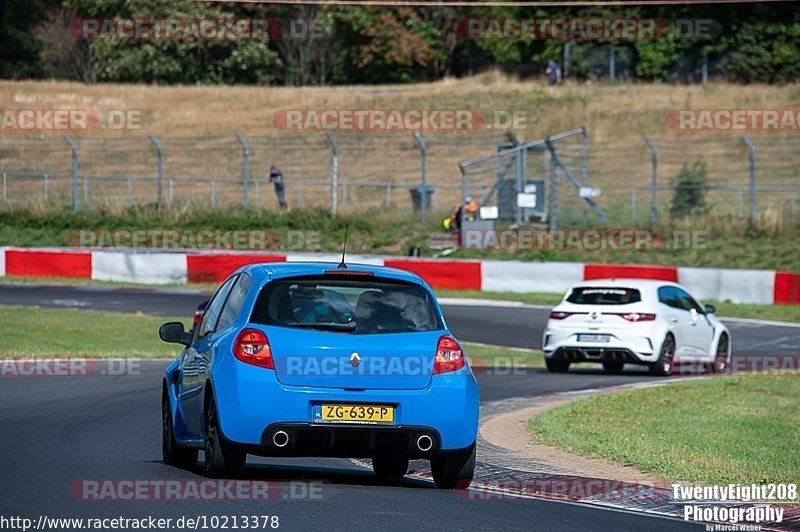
(689, 196)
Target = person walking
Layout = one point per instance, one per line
(553, 72)
(276, 178)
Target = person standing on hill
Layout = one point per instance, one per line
(553, 72)
(276, 178)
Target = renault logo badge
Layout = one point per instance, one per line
(355, 360)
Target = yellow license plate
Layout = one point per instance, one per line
(350, 413)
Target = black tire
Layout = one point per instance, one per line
(721, 361)
(613, 367)
(556, 366)
(223, 458)
(389, 466)
(454, 469)
(171, 453)
(664, 365)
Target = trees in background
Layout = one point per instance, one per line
(19, 50)
(354, 44)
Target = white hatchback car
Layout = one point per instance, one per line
(636, 321)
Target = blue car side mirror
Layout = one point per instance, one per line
(174, 333)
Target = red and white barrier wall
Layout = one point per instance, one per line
(168, 267)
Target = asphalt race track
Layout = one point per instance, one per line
(55, 432)
(58, 431)
(516, 326)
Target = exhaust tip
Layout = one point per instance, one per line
(280, 439)
(424, 443)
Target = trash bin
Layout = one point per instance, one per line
(418, 195)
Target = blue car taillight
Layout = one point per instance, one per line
(252, 347)
(449, 356)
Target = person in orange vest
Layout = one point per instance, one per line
(470, 209)
(466, 211)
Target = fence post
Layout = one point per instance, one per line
(5, 186)
(159, 173)
(334, 171)
(704, 69)
(752, 158)
(553, 196)
(633, 207)
(585, 170)
(85, 189)
(130, 189)
(74, 149)
(213, 193)
(612, 64)
(245, 168)
(653, 180)
(423, 154)
(740, 202)
(45, 187)
(520, 185)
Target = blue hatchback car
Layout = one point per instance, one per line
(315, 359)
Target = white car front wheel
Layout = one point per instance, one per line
(721, 358)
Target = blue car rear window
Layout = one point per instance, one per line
(348, 306)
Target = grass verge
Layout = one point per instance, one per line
(734, 429)
(502, 358)
(786, 313)
(74, 281)
(531, 298)
(36, 332)
(729, 245)
(725, 309)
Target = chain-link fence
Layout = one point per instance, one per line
(740, 176)
(350, 171)
(370, 171)
(522, 178)
(639, 183)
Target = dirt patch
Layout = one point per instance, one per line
(510, 431)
